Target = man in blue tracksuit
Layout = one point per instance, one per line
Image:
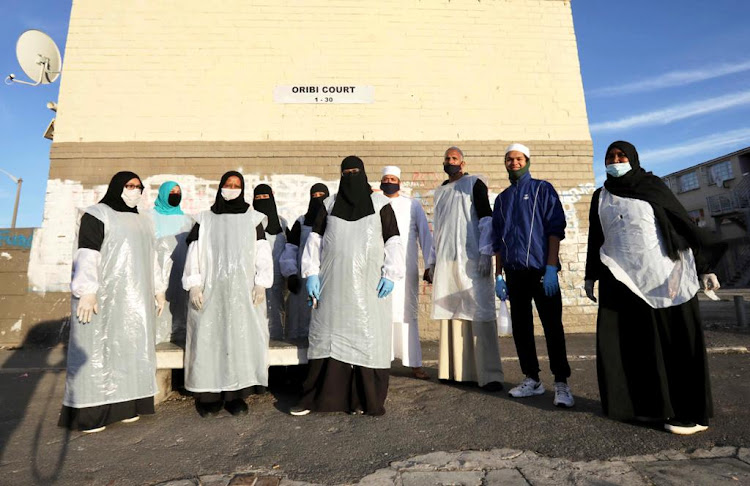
(528, 224)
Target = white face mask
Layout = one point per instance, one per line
(131, 197)
(618, 170)
(229, 194)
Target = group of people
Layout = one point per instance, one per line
(345, 276)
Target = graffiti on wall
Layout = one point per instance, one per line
(15, 241)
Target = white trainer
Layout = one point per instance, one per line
(528, 388)
(131, 419)
(563, 396)
(94, 431)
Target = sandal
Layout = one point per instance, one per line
(420, 374)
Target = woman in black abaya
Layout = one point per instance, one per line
(649, 258)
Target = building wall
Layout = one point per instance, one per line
(184, 91)
(696, 199)
(193, 70)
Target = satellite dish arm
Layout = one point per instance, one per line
(43, 70)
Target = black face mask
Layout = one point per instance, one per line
(451, 169)
(389, 187)
(174, 200)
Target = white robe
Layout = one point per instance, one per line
(414, 229)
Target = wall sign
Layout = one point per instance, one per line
(323, 94)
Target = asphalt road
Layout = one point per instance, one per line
(332, 448)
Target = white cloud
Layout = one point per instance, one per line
(732, 139)
(673, 78)
(676, 112)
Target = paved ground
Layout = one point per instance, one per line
(517, 437)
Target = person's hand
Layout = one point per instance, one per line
(485, 265)
(293, 283)
(588, 286)
(313, 286)
(86, 306)
(385, 287)
(549, 282)
(710, 281)
(501, 288)
(259, 295)
(161, 301)
(196, 297)
(427, 277)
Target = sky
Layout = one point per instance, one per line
(670, 76)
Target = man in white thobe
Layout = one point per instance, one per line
(413, 227)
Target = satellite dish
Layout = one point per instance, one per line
(39, 58)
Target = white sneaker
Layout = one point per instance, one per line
(563, 397)
(528, 388)
(94, 431)
(681, 428)
(299, 411)
(131, 420)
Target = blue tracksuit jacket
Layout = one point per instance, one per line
(525, 215)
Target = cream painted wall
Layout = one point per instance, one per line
(138, 70)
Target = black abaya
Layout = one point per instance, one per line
(650, 362)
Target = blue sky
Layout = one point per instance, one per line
(672, 77)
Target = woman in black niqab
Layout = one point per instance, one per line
(267, 206)
(353, 201)
(237, 205)
(316, 203)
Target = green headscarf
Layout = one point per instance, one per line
(161, 205)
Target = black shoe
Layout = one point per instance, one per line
(236, 407)
(493, 386)
(209, 409)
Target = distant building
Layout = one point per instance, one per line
(716, 195)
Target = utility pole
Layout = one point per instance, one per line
(18, 182)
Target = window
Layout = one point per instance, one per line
(697, 217)
(720, 172)
(688, 182)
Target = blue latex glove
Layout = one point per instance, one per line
(313, 287)
(501, 288)
(550, 283)
(385, 287)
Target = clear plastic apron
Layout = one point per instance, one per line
(634, 252)
(227, 340)
(351, 324)
(405, 295)
(171, 232)
(112, 359)
(298, 312)
(458, 290)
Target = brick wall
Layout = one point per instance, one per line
(79, 173)
(25, 316)
(441, 70)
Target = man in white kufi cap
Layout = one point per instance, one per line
(414, 229)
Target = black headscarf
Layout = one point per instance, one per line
(353, 201)
(237, 205)
(678, 230)
(113, 197)
(267, 207)
(316, 203)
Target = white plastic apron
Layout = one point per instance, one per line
(112, 359)
(634, 252)
(458, 290)
(227, 340)
(351, 324)
(171, 232)
(298, 312)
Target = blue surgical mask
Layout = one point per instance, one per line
(389, 188)
(618, 170)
